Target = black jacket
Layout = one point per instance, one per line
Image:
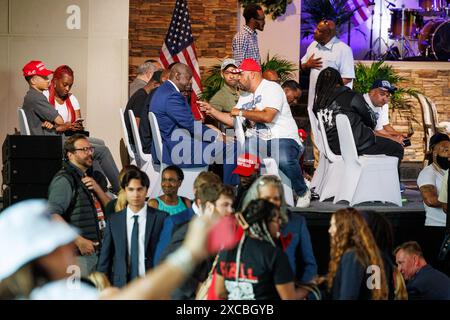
(361, 116)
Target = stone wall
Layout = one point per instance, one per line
(433, 80)
(213, 22)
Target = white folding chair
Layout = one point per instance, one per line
(145, 160)
(23, 122)
(126, 140)
(365, 178)
(319, 173)
(190, 174)
(269, 164)
(331, 181)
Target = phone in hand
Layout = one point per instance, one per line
(224, 235)
(406, 142)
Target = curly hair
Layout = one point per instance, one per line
(354, 233)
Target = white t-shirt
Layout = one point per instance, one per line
(269, 94)
(62, 108)
(381, 113)
(444, 187)
(430, 176)
(335, 54)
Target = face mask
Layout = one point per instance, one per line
(443, 162)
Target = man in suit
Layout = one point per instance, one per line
(195, 144)
(132, 234)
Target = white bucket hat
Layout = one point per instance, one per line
(27, 232)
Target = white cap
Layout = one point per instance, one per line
(27, 232)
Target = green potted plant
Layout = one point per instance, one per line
(275, 8)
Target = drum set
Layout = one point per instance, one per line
(428, 27)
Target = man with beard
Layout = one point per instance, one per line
(75, 197)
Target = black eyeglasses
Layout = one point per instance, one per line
(85, 149)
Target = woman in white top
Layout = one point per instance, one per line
(58, 94)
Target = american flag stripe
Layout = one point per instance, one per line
(361, 14)
(179, 47)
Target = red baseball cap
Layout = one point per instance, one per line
(37, 68)
(247, 164)
(248, 65)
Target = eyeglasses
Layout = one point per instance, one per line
(85, 149)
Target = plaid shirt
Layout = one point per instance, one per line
(245, 45)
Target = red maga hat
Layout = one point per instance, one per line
(36, 68)
(247, 164)
(248, 65)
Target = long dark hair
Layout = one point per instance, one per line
(329, 78)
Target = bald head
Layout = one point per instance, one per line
(180, 75)
(271, 75)
(325, 31)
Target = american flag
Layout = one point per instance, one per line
(362, 13)
(179, 47)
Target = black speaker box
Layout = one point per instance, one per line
(32, 147)
(18, 192)
(30, 171)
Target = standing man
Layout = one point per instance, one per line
(378, 98)
(76, 198)
(271, 129)
(326, 51)
(132, 234)
(245, 42)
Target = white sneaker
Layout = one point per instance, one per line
(305, 200)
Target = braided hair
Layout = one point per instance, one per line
(329, 78)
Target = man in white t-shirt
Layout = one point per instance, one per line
(431, 178)
(378, 98)
(271, 129)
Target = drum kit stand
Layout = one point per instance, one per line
(427, 29)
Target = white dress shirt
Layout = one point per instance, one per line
(142, 224)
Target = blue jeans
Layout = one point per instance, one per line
(287, 153)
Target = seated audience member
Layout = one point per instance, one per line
(423, 282)
(353, 251)
(43, 252)
(131, 235)
(431, 177)
(59, 96)
(171, 179)
(76, 197)
(206, 200)
(383, 234)
(264, 270)
(248, 168)
(293, 91)
(271, 75)
(136, 103)
(172, 114)
(144, 74)
(227, 97)
(119, 203)
(44, 119)
(378, 99)
(295, 239)
(333, 98)
(271, 129)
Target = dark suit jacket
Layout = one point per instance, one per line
(113, 260)
(173, 112)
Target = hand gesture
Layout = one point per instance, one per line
(90, 183)
(314, 63)
(47, 125)
(206, 108)
(85, 246)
